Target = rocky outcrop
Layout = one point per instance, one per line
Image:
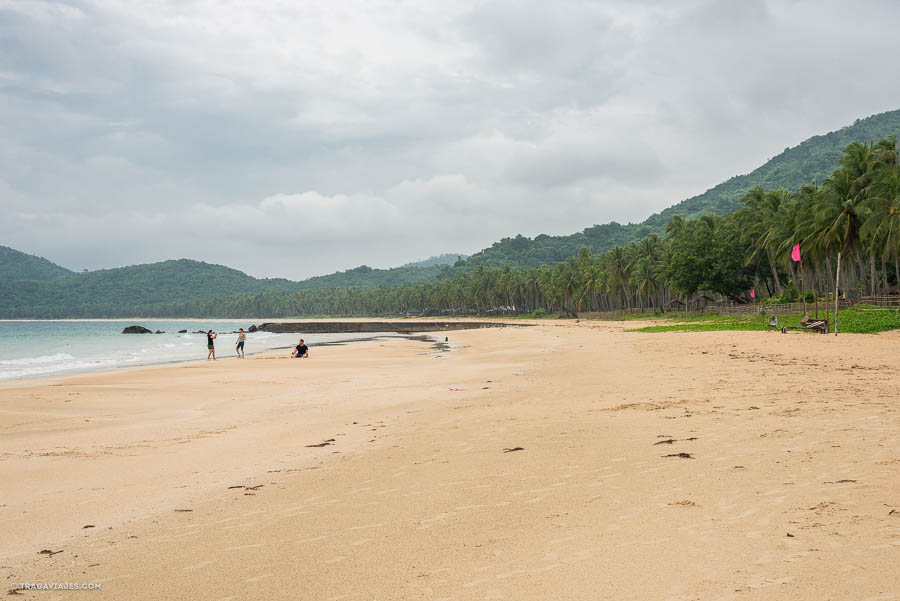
(136, 330)
(182, 331)
(368, 327)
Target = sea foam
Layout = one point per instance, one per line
(38, 360)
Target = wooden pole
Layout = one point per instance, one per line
(827, 321)
(837, 283)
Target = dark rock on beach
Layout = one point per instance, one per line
(159, 332)
(136, 330)
(182, 331)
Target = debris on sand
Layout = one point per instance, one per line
(668, 441)
(513, 449)
(684, 503)
(48, 552)
(682, 455)
(87, 526)
(324, 443)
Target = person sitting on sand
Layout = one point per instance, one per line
(210, 336)
(301, 351)
(240, 343)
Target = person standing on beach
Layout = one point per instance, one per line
(210, 336)
(240, 343)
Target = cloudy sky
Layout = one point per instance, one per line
(290, 138)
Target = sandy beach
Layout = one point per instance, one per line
(561, 461)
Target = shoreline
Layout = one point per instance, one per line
(116, 369)
(530, 463)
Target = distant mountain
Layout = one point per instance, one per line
(34, 287)
(119, 291)
(811, 160)
(37, 288)
(814, 159)
(15, 265)
(444, 259)
(366, 277)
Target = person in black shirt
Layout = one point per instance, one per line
(301, 351)
(210, 336)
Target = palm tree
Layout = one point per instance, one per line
(644, 279)
(883, 221)
(761, 221)
(839, 214)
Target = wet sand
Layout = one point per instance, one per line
(564, 461)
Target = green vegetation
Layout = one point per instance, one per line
(15, 265)
(123, 291)
(860, 319)
(810, 162)
(852, 217)
(51, 291)
(367, 277)
(444, 259)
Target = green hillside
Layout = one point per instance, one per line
(814, 159)
(367, 277)
(35, 287)
(39, 288)
(15, 265)
(117, 291)
(444, 259)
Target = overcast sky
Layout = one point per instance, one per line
(299, 138)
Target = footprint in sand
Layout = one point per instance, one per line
(242, 547)
(258, 578)
(197, 566)
(366, 527)
(357, 543)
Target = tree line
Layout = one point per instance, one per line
(851, 219)
(854, 214)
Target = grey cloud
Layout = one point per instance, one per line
(347, 133)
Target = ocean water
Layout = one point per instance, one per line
(42, 348)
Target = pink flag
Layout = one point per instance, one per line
(795, 254)
(752, 293)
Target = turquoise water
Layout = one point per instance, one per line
(41, 348)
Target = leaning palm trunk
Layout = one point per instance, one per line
(837, 283)
(872, 270)
(897, 270)
(774, 271)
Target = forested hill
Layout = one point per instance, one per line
(36, 288)
(444, 259)
(117, 291)
(15, 265)
(813, 159)
(367, 277)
